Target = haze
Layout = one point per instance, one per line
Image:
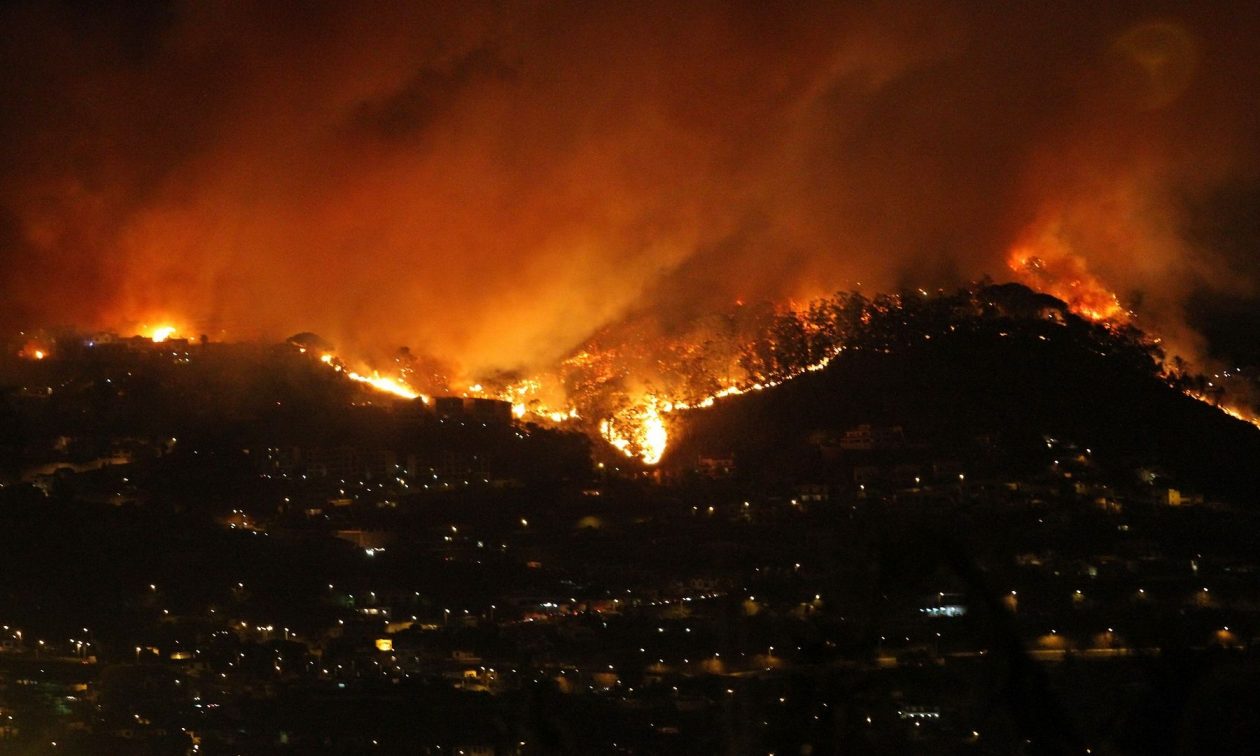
(493, 182)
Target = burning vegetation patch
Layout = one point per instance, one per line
(630, 383)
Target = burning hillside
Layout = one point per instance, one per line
(498, 186)
(632, 383)
(556, 204)
(785, 343)
(628, 383)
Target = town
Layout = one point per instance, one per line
(223, 548)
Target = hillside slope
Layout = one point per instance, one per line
(988, 391)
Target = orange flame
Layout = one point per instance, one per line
(638, 430)
(35, 350)
(387, 385)
(377, 381)
(162, 333)
(1066, 277)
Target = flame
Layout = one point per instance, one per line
(1238, 413)
(162, 333)
(527, 397)
(387, 385)
(641, 429)
(638, 425)
(35, 350)
(654, 437)
(377, 381)
(1065, 277)
(638, 430)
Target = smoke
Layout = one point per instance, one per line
(493, 183)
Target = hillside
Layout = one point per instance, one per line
(984, 392)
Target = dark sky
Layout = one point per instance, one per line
(495, 181)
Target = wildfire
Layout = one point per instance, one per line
(637, 422)
(162, 333)
(527, 399)
(641, 430)
(1067, 278)
(1239, 414)
(375, 380)
(388, 385)
(638, 430)
(524, 396)
(1235, 412)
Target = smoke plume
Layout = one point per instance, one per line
(494, 182)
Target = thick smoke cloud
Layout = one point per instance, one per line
(494, 182)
